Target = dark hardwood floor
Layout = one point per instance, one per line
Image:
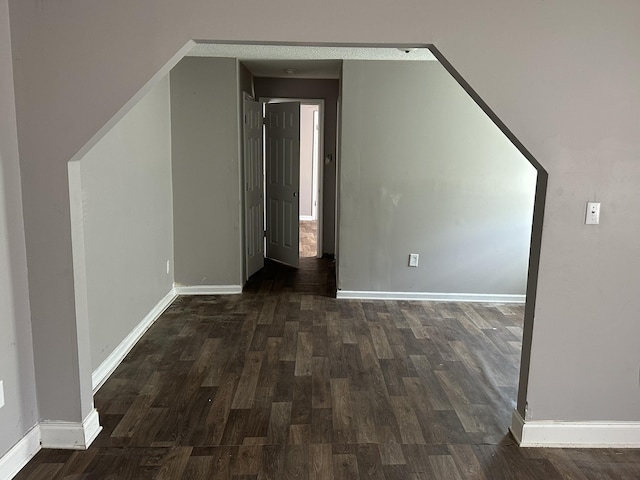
(286, 382)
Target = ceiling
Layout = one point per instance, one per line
(304, 61)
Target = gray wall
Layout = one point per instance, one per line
(527, 60)
(20, 411)
(206, 172)
(127, 221)
(317, 89)
(423, 170)
(245, 81)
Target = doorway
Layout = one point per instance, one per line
(309, 172)
(310, 222)
(307, 215)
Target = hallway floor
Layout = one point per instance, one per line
(286, 382)
(308, 238)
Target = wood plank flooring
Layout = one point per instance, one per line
(286, 382)
(308, 238)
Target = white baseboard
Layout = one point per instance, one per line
(432, 297)
(551, 434)
(15, 459)
(207, 289)
(306, 218)
(517, 424)
(108, 366)
(70, 435)
(67, 435)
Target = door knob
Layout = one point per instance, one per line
(295, 194)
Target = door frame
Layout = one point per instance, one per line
(320, 165)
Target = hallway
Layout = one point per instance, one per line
(286, 382)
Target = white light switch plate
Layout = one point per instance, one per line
(593, 213)
(413, 259)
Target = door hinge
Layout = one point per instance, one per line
(265, 234)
